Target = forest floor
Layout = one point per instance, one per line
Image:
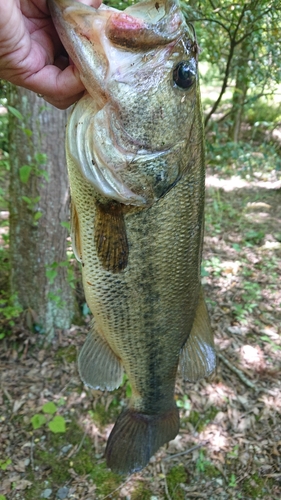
(229, 445)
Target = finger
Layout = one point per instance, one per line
(59, 87)
(62, 103)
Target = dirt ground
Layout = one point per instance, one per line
(229, 445)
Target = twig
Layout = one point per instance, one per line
(7, 394)
(31, 453)
(81, 443)
(186, 451)
(195, 495)
(165, 482)
(240, 374)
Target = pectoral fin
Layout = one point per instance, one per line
(98, 366)
(75, 233)
(110, 237)
(198, 356)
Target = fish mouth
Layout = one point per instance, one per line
(144, 27)
(93, 37)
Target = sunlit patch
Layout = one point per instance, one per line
(236, 182)
(219, 394)
(177, 445)
(271, 245)
(257, 205)
(230, 267)
(216, 437)
(272, 402)
(253, 357)
(87, 424)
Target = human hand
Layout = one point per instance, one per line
(31, 54)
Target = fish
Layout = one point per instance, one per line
(135, 158)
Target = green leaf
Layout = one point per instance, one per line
(38, 215)
(2, 497)
(27, 200)
(51, 275)
(27, 132)
(45, 174)
(24, 172)
(57, 424)
(65, 224)
(128, 390)
(61, 402)
(4, 463)
(49, 407)
(38, 420)
(41, 158)
(16, 113)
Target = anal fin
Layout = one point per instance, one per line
(198, 356)
(110, 237)
(98, 366)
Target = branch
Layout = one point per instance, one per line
(227, 69)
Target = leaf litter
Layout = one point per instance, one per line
(229, 445)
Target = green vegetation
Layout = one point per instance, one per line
(174, 478)
(67, 354)
(199, 420)
(204, 465)
(102, 415)
(141, 492)
(105, 480)
(256, 486)
(49, 454)
(56, 424)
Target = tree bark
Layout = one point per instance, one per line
(39, 203)
(240, 92)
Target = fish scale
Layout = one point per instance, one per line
(135, 159)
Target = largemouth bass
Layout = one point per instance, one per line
(135, 155)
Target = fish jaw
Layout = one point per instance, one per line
(84, 31)
(78, 26)
(143, 25)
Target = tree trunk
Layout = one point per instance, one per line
(39, 202)
(240, 92)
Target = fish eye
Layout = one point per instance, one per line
(184, 74)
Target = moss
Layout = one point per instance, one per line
(36, 489)
(48, 457)
(105, 480)
(58, 468)
(198, 421)
(100, 415)
(141, 492)
(84, 461)
(175, 476)
(257, 486)
(194, 418)
(68, 354)
(210, 414)
(211, 471)
(103, 416)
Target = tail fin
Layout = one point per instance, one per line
(136, 437)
